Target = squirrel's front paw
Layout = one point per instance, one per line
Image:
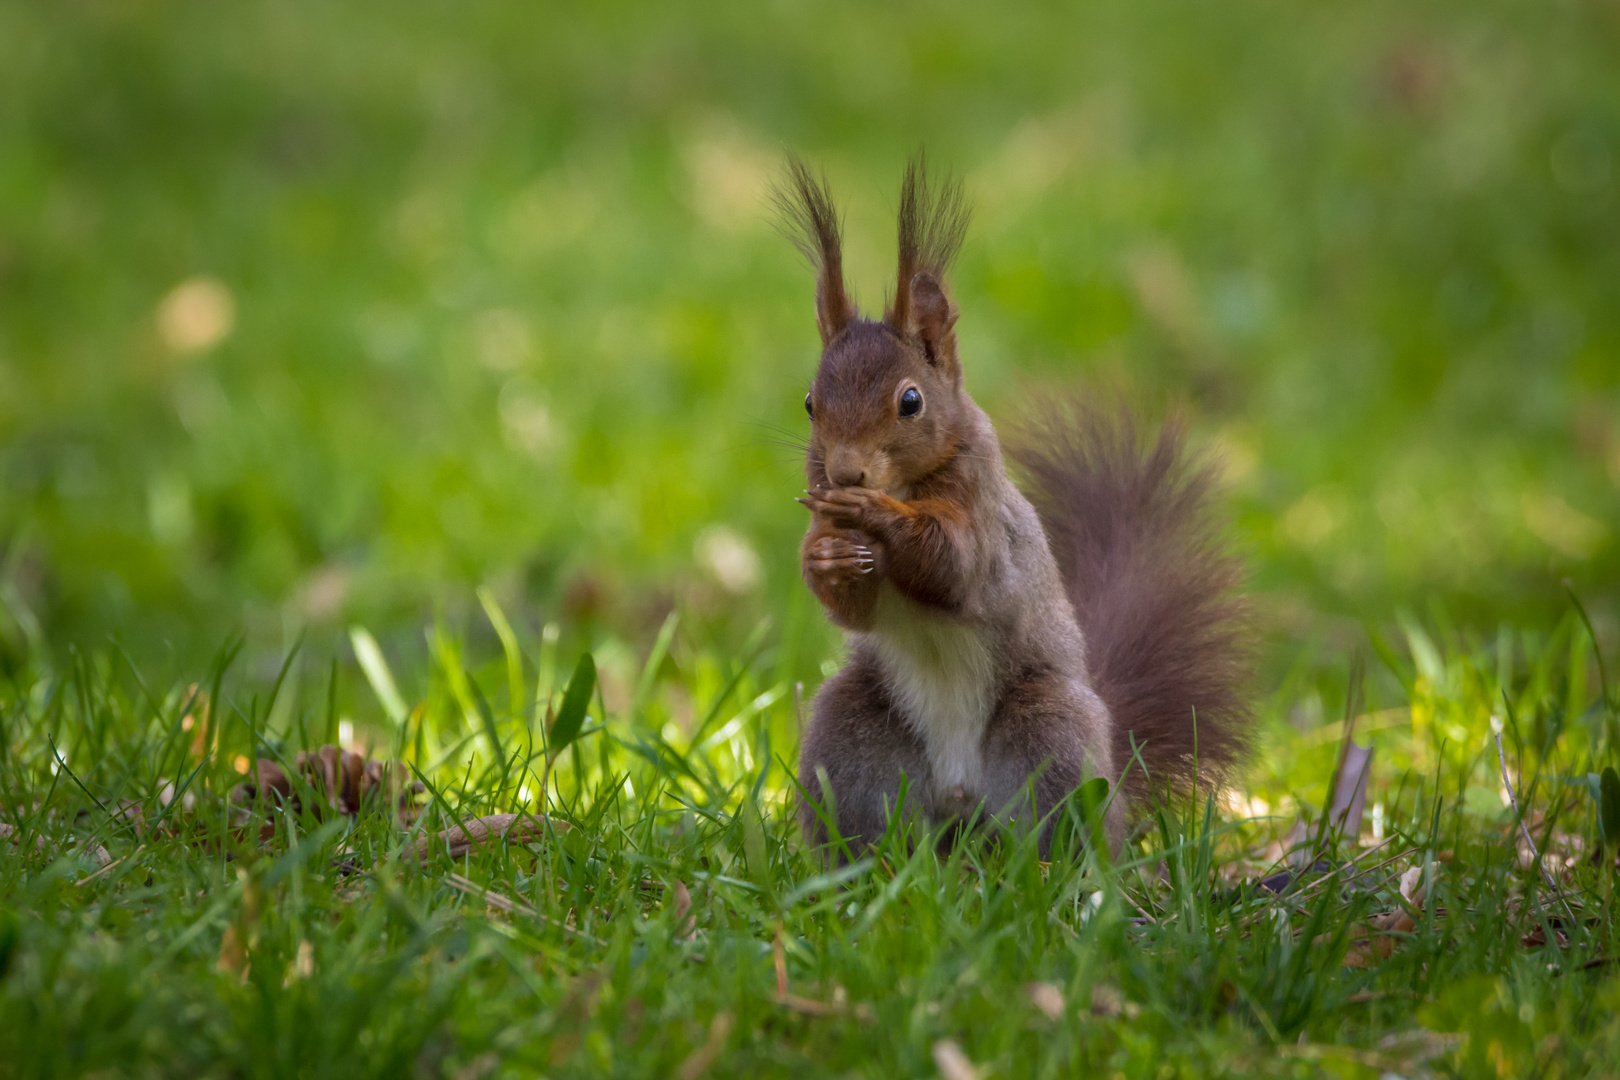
(833, 559)
(854, 507)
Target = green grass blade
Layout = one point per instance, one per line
(571, 715)
(1609, 806)
(509, 646)
(370, 656)
(655, 658)
(486, 717)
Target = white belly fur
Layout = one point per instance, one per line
(943, 678)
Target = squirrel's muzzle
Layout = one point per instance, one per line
(846, 466)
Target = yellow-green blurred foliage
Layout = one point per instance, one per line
(329, 312)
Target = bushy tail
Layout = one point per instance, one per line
(1132, 525)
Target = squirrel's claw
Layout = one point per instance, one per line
(836, 559)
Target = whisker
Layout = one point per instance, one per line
(779, 436)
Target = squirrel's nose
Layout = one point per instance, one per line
(845, 469)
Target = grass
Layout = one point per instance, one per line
(199, 950)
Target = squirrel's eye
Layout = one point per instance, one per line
(808, 411)
(911, 402)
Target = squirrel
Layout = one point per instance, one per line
(1004, 647)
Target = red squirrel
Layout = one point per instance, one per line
(1086, 627)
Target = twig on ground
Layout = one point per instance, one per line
(475, 832)
(1358, 875)
(809, 1006)
(88, 878)
(1362, 997)
(698, 1061)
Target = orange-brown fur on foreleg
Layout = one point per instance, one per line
(922, 541)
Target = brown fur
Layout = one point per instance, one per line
(1134, 531)
(864, 747)
(968, 670)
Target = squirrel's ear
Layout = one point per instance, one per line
(807, 216)
(932, 224)
(931, 319)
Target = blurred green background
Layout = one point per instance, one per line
(322, 313)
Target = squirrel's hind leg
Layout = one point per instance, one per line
(864, 748)
(1057, 732)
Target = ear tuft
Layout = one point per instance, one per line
(807, 216)
(932, 224)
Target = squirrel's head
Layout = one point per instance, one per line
(886, 401)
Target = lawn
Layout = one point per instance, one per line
(666, 919)
(364, 365)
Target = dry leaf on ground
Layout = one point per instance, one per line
(1377, 938)
(953, 1063)
(1412, 887)
(681, 901)
(1047, 998)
